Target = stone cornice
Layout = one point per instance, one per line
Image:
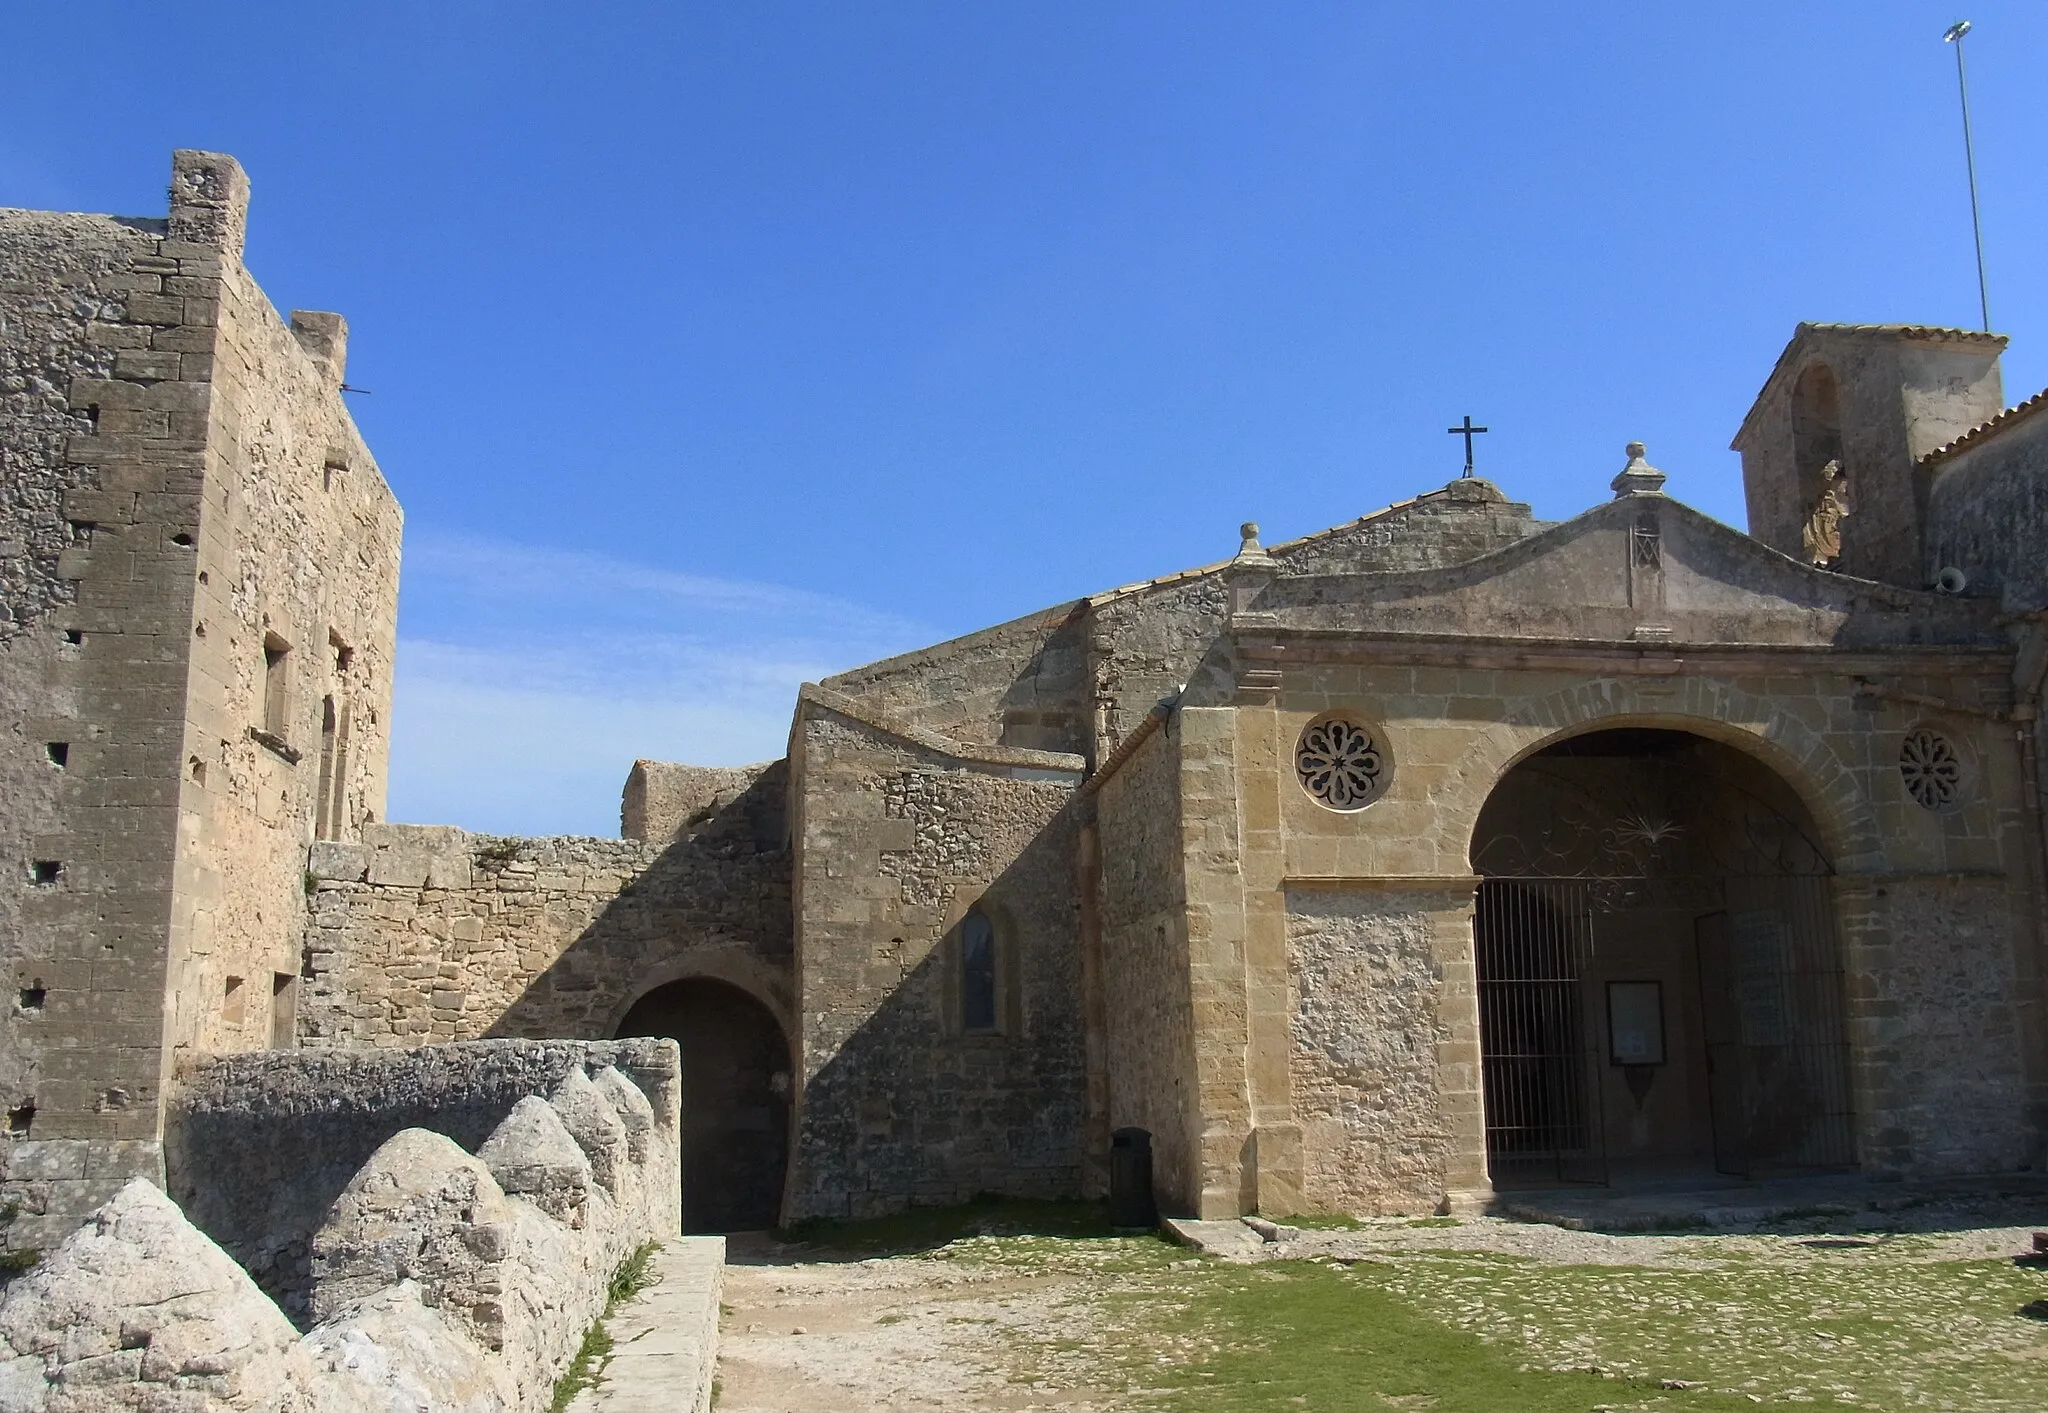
(1266, 641)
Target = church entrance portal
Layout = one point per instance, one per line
(735, 1100)
(1660, 985)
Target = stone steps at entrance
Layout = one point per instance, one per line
(665, 1339)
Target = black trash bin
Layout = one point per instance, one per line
(1130, 1180)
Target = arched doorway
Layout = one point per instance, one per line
(736, 1080)
(1660, 980)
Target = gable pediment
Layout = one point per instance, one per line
(1641, 567)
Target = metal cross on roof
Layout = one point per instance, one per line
(1468, 432)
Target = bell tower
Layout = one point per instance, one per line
(1831, 448)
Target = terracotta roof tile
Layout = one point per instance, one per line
(1927, 331)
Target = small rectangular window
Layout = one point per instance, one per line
(276, 685)
(234, 1001)
(284, 1010)
(59, 753)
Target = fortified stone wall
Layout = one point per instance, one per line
(898, 839)
(1149, 1022)
(426, 933)
(438, 1279)
(288, 727)
(162, 437)
(83, 761)
(261, 1146)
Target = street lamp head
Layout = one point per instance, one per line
(1956, 31)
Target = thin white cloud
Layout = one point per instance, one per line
(530, 679)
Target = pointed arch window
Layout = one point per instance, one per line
(977, 973)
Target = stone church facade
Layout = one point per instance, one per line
(1439, 852)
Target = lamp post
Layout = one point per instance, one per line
(1954, 36)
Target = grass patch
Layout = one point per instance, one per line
(1302, 1334)
(1859, 1325)
(633, 1276)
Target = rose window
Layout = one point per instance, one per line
(1932, 770)
(1341, 764)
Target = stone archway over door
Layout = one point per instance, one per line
(736, 1078)
(1661, 990)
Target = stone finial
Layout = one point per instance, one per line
(209, 200)
(1639, 477)
(1249, 550)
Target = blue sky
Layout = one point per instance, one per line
(716, 346)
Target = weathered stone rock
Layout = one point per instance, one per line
(402, 1355)
(594, 1123)
(533, 1155)
(421, 1210)
(636, 1115)
(138, 1310)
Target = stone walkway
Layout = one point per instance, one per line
(665, 1339)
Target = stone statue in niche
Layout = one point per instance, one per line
(1822, 536)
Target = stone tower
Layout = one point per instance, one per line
(1831, 449)
(199, 561)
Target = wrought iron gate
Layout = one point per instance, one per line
(1540, 1056)
(1769, 1018)
(1777, 1049)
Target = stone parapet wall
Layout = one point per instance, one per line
(438, 1278)
(427, 934)
(261, 1145)
(664, 802)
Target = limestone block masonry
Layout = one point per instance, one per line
(422, 934)
(199, 560)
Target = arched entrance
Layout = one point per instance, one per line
(1660, 980)
(736, 1080)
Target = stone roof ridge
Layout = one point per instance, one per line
(1490, 493)
(1545, 539)
(1985, 431)
(810, 693)
(1042, 620)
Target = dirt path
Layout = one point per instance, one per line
(890, 1333)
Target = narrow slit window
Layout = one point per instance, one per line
(977, 973)
(326, 819)
(276, 681)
